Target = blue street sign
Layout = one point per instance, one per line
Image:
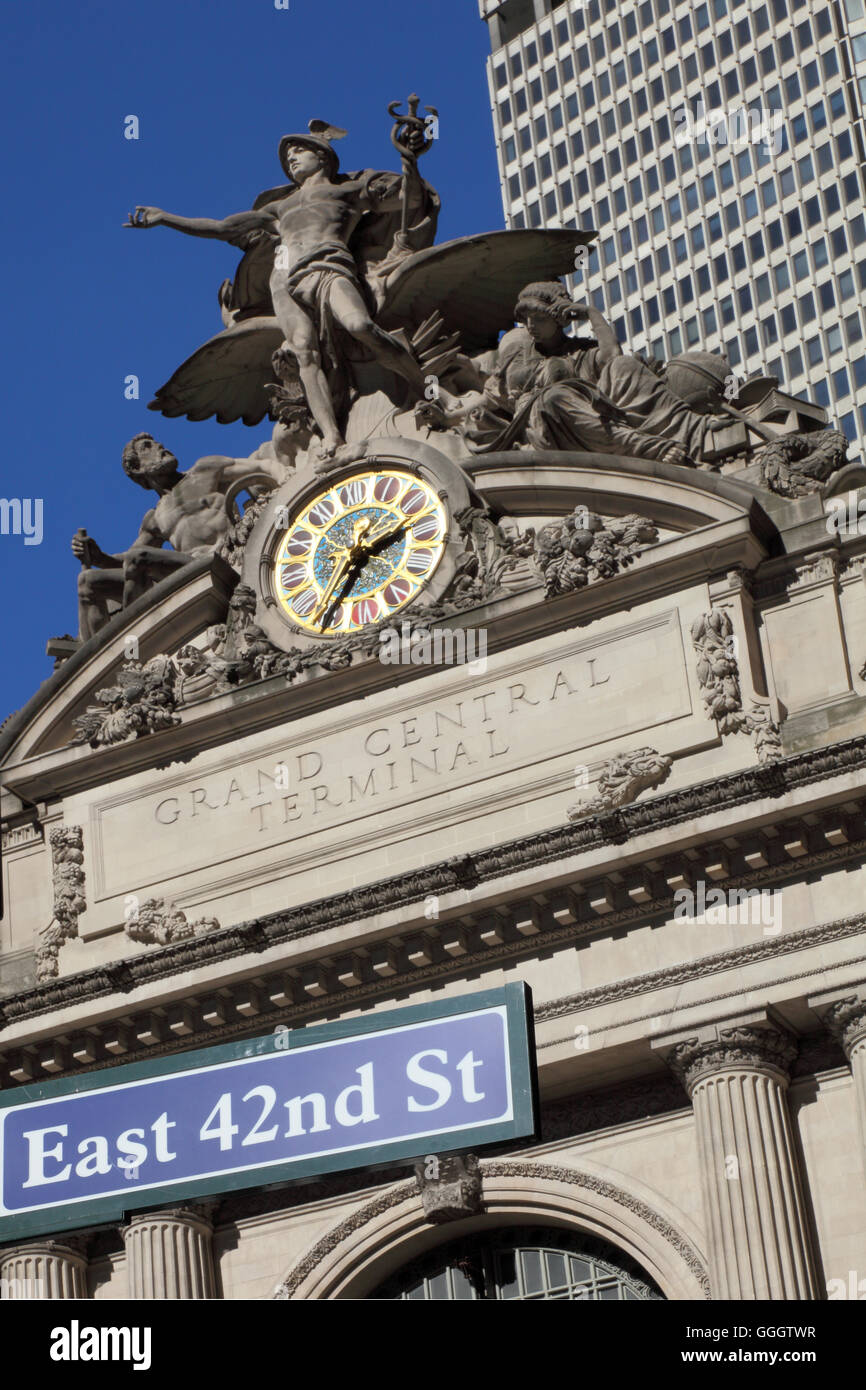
(430, 1079)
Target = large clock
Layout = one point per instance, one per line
(359, 551)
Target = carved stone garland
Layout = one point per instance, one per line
(719, 679)
(584, 547)
(157, 922)
(67, 858)
(142, 702)
(795, 465)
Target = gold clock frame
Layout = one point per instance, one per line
(441, 475)
(346, 517)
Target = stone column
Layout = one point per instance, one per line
(736, 1075)
(169, 1254)
(843, 1013)
(44, 1269)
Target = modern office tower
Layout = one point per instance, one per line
(718, 149)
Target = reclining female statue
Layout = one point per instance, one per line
(551, 391)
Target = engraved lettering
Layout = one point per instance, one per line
(377, 752)
(495, 752)
(460, 752)
(369, 785)
(440, 714)
(305, 776)
(320, 798)
(488, 694)
(519, 696)
(560, 681)
(171, 818)
(416, 762)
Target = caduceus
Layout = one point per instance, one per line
(412, 135)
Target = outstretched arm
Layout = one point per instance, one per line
(237, 224)
(608, 343)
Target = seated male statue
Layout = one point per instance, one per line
(190, 517)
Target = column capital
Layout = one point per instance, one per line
(47, 1268)
(193, 1213)
(70, 1247)
(843, 1013)
(757, 1042)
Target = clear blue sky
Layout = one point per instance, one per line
(214, 86)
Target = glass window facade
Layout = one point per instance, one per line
(722, 143)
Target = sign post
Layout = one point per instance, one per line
(367, 1092)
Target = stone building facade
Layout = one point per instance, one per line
(521, 663)
(560, 812)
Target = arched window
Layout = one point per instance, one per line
(524, 1264)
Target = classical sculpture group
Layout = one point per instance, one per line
(370, 329)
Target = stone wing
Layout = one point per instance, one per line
(225, 377)
(474, 282)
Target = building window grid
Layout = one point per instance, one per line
(791, 202)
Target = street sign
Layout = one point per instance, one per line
(457, 1074)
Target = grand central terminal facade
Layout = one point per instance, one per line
(641, 802)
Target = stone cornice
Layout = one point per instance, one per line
(469, 871)
(733, 959)
(144, 1034)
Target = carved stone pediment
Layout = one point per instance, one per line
(169, 615)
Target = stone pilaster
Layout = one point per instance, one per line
(169, 1254)
(736, 1075)
(44, 1269)
(843, 1013)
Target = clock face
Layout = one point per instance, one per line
(359, 551)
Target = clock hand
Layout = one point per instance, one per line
(382, 542)
(351, 555)
(406, 524)
(351, 574)
(387, 538)
(336, 575)
(367, 542)
(374, 536)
